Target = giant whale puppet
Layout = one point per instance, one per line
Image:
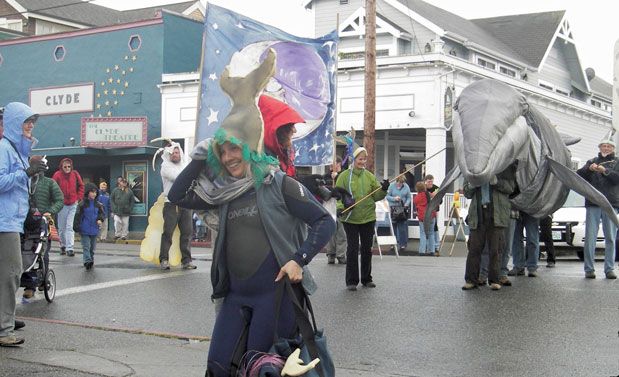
(494, 128)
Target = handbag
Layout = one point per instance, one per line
(310, 340)
(398, 212)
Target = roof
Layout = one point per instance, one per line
(527, 34)
(601, 88)
(457, 26)
(89, 14)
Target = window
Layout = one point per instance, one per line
(352, 55)
(507, 71)
(596, 103)
(135, 42)
(343, 2)
(546, 86)
(486, 64)
(562, 92)
(59, 53)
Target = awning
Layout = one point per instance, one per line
(81, 151)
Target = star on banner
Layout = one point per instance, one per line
(212, 118)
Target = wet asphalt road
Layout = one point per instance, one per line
(127, 318)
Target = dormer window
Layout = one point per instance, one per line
(486, 64)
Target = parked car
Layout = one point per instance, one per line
(568, 226)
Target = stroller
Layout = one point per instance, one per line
(33, 249)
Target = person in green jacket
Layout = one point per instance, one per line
(49, 200)
(122, 203)
(359, 221)
(487, 219)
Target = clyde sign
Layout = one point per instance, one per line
(77, 98)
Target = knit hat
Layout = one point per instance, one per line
(358, 151)
(609, 139)
(243, 126)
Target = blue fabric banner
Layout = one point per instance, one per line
(304, 78)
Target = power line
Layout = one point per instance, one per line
(48, 8)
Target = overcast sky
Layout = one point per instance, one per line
(593, 22)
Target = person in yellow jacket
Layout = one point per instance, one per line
(359, 221)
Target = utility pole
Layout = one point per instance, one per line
(369, 113)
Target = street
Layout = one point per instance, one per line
(127, 318)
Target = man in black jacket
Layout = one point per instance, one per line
(603, 174)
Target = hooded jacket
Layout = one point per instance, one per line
(14, 181)
(275, 115)
(88, 213)
(70, 184)
(360, 182)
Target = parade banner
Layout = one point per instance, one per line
(304, 78)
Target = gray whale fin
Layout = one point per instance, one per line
(435, 202)
(569, 139)
(575, 182)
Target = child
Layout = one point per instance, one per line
(88, 219)
(426, 240)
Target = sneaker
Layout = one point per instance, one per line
(532, 273)
(28, 293)
(468, 286)
(70, 253)
(341, 260)
(611, 275)
(63, 251)
(369, 284)
(482, 282)
(11, 341)
(590, 274)
(189, 266)
(351, 287)
(550, 264)
(516, 272)
(504, 281)
(123, 238)
(331, 259)
(164, 265)
(19, 324)
(495, 286)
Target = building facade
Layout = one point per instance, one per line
(97, 91)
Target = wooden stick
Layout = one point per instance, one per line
(391, 180)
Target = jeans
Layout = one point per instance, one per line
(592, 224)
(359, 234)
(426, 240)
(531, 225)
(65, 226)
(437, 238)
(89, 244)
(401, 233)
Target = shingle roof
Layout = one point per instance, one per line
(94, 15)
(462, 27)
(527, 34)
(601, 88)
